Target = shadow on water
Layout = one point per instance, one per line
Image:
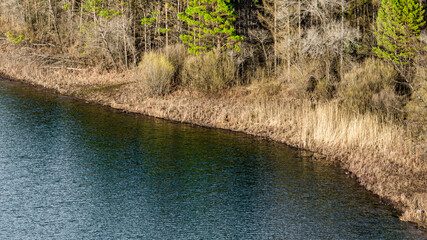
(74, 170)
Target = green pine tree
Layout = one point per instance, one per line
(210, 26)
(398, 28)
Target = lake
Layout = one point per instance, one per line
(73, 170)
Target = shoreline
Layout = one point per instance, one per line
(377, 165)
(313, 155)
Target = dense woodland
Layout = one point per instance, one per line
(367, 54)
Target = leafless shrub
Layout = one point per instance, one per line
(423, 36)
(316, 42)
(176, 54)
(304, 76)
(371, 87)
(11, 10)
(211, 71)
(155, 72)
(321, 9)
(108, 39)
(337, 36)
(262, 37)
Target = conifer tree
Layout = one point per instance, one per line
(210, 26)
(398, 28)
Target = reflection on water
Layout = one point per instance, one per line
(70, 170)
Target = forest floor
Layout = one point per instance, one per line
(378, 154)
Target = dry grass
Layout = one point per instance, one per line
(371, 87)
(379, 154)
(208, 72)
(71, 82)
(156, 73)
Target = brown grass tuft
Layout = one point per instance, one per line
(155, 72)
(211, 71)
(371, 87)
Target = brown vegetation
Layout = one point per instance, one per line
(210, 72)
(155, 73)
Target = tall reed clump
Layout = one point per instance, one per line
(155, 72)
(326, 127)
(176, 54)
(212, 71)
(415, 109)
(377, 152)
(372, 87)
(307, 80)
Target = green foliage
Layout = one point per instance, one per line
(164, 30)
(96, 6)
(66, 7)
(150, 20)
(15, 39)
(156, 73)
(398, 28)
(211, 24)
(210, 72)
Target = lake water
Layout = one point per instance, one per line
(72, 170)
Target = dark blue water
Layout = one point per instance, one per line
(71, 170)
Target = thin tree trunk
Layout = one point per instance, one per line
(327, 60)
(289, 43)
(357, 21)
(134, 31)
(71, 21)
(81, 14)
(102, 35)
(109, 50)
(145, 35)
(178, 12)
(342, 41)
(299, 27)
(275, 36)
(125, 54)
(55, 25)
(158, 26)
(166, 21)
(36, 9)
